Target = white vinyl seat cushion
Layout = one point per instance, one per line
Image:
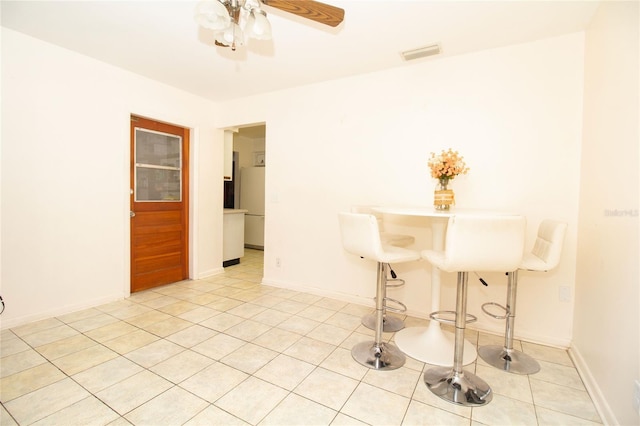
(480, 243)
(387, 238)
(547, 248)
(361, 236)
(398, 240)
(472, 243)
(544, 256)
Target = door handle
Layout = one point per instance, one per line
(132, 213)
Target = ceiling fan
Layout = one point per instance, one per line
(234, 20)
(310, 9)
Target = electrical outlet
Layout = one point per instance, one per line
(278, 263)
(636, 396)
(564, 293)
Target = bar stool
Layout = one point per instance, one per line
(361, 236)
(544, 256)
(390, 323)
(472, 243)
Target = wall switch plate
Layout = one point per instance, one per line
(636, 396)
(564, 293)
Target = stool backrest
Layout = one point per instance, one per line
(360, 235)
(369, 210)
(548, 245)
(484, 243)
(363, 209)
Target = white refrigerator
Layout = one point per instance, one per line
(252, 200)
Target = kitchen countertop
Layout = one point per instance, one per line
(235, 211)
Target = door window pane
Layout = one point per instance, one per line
(158, 166)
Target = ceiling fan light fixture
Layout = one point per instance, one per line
(258, 25)
(246, 16)
(231, 20)
(422, 52)
(231, 36)
(212, 15)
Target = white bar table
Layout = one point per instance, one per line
(430, 344)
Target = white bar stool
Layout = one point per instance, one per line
(361, 236)
(390, 323)
(472, 243)
(544, 256)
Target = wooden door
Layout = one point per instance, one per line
(159, 203)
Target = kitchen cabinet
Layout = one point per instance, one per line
(233, 236)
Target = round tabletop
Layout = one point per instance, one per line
(430, 211)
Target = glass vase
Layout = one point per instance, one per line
(443, 197)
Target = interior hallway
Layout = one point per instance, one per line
(229, 351)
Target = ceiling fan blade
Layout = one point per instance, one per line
(310, 9)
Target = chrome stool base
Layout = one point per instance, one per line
(459, 388)
(389, 324)
(511, 361)
(385, 356)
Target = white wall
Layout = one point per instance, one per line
(607, 316)
(65, 177)
(514, 113)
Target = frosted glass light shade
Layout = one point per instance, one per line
(258, 26)
(213, 15)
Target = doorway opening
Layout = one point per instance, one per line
(244, 188)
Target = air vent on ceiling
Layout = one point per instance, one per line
(431, 50)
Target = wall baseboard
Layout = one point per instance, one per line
(590, 383)
(59, 311)
(210, 273)
(349, 298)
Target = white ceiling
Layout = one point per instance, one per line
(160, 39)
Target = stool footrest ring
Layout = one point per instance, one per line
(400, 308)
(398, 282)
(491, 314)
(438, 316)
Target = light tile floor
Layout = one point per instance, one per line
(230, 351)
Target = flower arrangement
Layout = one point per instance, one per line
(447, 165)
